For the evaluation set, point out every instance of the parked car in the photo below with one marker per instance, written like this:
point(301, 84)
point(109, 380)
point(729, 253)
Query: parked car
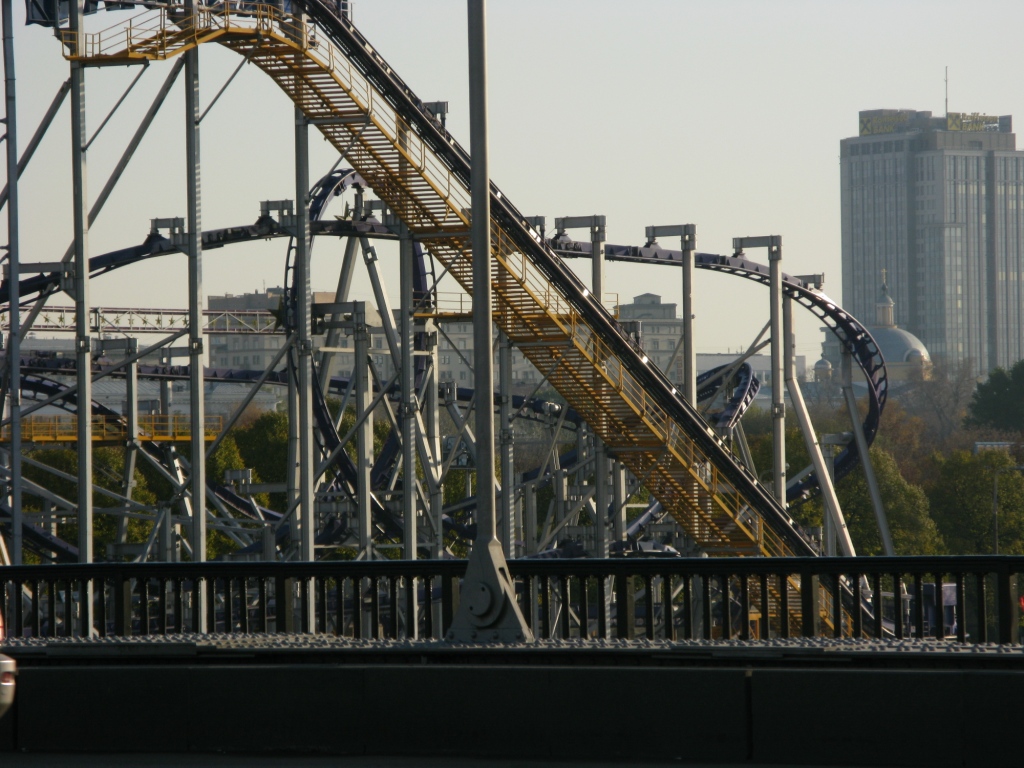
point(8, 672)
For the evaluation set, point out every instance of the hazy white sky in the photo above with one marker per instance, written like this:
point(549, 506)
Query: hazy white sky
point(726, 114)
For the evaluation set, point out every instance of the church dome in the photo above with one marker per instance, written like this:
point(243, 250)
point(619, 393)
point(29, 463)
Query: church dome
point(899, 346)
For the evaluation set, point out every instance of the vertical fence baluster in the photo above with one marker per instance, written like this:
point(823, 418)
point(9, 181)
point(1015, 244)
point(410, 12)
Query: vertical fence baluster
point(725, 599)
point(918, 606)
point(1008, 612)
point(961, 608)
point(980, 579)
point(34, 608)
point(810, 616)
point(321, 599)
point(584, 616)
point(688, 607)
point(144, 606)
point(602, 606)
point(545, 607)
point(648, 607)
point(162, 605)
point(243, 600)
point(837, 605)
point(744, 607)
point(394, 602)
point(705, 584)
point(374, 608)
point(765, 628)
point(428, 607)
point(566, 606)
point(939, 630)
point(897, 593)
point(876, 603)
point(858, 605)
point(179, 607)
point(667, 613)
point(262, 605)
point(51, 608)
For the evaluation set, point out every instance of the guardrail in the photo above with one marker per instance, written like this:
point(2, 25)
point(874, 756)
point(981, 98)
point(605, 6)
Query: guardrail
point(671, 599)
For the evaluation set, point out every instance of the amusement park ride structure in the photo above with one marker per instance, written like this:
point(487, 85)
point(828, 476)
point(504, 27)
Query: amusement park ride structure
point(632, 426)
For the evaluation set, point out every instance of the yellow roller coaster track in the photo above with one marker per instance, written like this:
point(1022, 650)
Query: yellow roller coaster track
point(434, 204)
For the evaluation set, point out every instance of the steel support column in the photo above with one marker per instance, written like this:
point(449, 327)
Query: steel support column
point(778, 375)
point(774, 245)
point(408, 426)
point(13, 278)
point(796, 399)
point(83, 354)
point(506, 443)
point(305, 514)
point(488, 609)
point(433, 439)
point(864, 452)
point(197, 405)
point(601, 464)
point(364, 433)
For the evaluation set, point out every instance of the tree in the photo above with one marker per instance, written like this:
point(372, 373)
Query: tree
point(999, 402)
point(961, 502)
point(906, 506)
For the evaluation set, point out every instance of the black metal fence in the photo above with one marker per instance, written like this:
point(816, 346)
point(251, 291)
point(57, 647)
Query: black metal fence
point(959, 599)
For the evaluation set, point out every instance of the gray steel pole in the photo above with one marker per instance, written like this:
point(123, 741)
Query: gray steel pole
point(305, 515)
point(197, 405)
point(864, 452)
point(408, 425)
point(433, 438)
point(796, 398)
point(83, 357)
point(483, 361)
point(81, 258)
point(488, 609)
point(778, 373)
point(14, 276)
point(364, 434)
point(506, 440)
point(688, 244)
point(408, 411)
point(340, 296)
point(601, 463)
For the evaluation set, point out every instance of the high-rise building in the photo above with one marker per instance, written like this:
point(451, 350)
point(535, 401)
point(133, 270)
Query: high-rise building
point(938, 204)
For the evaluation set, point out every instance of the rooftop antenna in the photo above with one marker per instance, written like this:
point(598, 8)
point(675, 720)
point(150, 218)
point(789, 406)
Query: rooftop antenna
point(947, 90)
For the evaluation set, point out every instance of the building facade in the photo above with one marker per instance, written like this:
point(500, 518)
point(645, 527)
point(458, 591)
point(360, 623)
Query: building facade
point(934, 207)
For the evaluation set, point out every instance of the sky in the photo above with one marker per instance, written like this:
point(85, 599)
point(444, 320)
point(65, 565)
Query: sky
point(724, 114)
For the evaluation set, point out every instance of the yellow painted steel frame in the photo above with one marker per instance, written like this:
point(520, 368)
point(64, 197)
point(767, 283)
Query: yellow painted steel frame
point(418, 187)
point(111, 429)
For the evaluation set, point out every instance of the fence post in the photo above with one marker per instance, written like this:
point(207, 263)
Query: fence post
point(625, 607)
point(122, 605)
point(284, 604)
point(1008, 609)
point(810, 616)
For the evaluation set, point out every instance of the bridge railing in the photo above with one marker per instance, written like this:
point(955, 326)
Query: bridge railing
point(716, 599)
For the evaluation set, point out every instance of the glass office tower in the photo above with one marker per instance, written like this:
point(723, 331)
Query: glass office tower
point(934, 207)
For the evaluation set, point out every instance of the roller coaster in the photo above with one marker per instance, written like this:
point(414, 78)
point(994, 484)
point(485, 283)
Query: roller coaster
point(394, 145)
